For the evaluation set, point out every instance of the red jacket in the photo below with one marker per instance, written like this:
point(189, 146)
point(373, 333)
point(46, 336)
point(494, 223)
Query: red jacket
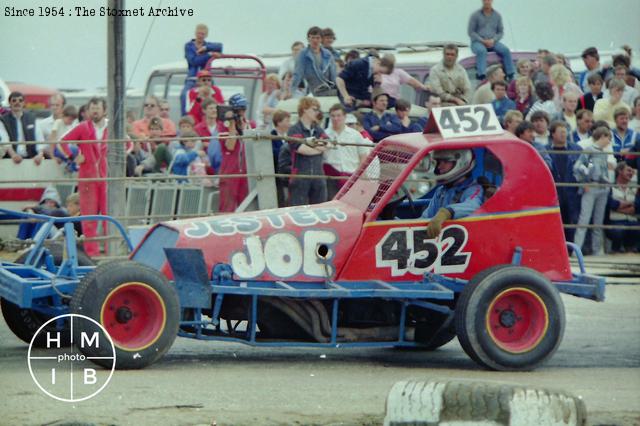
point(95, 153)
point(194, 106)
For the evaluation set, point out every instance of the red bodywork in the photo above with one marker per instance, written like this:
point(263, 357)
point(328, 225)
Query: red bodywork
point(354, 245)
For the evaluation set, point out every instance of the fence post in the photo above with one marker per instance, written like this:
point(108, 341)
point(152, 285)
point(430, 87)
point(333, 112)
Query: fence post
point(262, 190)
point(116, 94)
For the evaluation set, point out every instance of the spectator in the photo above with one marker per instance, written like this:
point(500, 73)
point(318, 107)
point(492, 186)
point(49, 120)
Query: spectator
point(568, 112)
point(634, 71)
point(131, 116)
point(604, 108)
point(378, 122)
point(186, 155)
point(540, 121)
point(343, 160)
point(92, 160)
point(588, 100)
point(635, 122)
point(72, 203)
point(484, 93)
point(49, 205)
point(234, 190)
point(328, 37)
point(501, 104)
point(524, 97)
point(562, 171)
point(523, 67)
point(281, 125)
point(57, 103)
point(584, 122)
point(140, 159)
point(562, 82)
point(356, 122)
point(623, 137)
point(360, 76)
point(208, 128)
point(83, 113)
point(19, 126)
point(152, 109)
point(289, 65)
point(449, 79)
point(545, 103)
point(391, 84)
point(512, 120)
point(197, 52)
point(204, 90)
point(350, 56)
point(589, 169)
point(165, 109)
point(239, 104)
point(591, 59)
point(433, 101)
point(546, 62)
point(159, 149)
point(402, 122)
point(622, 212)
point(306, 160)
point(316, 66)
point(268, 101)
point(630, 93)
point(60, 128)
point(526, 132)
point(485, 30)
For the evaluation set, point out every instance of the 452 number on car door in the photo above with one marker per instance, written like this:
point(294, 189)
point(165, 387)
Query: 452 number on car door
point(408, 250)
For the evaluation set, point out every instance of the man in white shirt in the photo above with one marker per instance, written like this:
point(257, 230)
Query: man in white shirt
point(57, 103)
point(343, 160)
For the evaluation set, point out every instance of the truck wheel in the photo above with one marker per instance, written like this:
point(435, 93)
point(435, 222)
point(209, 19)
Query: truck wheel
point(136, 305)
point(510, 318)
point(25, 322)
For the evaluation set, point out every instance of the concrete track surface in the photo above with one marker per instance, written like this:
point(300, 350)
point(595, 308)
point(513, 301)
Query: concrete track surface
point(230, 384)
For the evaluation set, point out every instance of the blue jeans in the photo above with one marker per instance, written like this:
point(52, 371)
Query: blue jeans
point(481, 58)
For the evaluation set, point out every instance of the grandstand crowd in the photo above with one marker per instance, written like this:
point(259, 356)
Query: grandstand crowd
point(542, 102)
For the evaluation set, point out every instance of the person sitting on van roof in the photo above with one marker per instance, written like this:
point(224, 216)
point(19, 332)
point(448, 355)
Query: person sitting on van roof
point(449, 79)
point(198, 51)
point(485, 30)
point(359, 76)
point(315, 65)
point(379, 123)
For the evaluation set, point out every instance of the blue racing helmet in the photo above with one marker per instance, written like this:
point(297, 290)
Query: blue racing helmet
point(238, 101)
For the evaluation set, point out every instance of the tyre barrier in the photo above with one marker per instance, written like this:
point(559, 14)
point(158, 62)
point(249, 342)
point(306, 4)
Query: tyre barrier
point(467, 402)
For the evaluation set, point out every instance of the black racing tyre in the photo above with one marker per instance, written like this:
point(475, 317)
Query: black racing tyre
point(25, 322)
point(137, 306)
point(510, 318)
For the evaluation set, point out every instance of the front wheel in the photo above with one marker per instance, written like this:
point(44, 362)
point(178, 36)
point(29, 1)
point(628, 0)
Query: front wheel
point(137, 307)
point(510, 318)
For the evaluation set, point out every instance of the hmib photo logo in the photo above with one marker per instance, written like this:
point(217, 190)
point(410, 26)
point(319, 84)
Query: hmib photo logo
point(57, 364)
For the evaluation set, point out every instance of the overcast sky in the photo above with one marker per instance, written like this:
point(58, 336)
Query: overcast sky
point(70, 52)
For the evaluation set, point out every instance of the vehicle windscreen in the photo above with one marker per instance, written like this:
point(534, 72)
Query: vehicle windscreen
point(375, 176)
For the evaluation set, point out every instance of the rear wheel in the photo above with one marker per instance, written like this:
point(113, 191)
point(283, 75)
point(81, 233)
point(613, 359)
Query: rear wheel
point(137, 307)
point(512, 318)
point(24, 323)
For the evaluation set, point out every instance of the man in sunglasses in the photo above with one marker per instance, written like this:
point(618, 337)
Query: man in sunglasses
point(152, 109)
point(19, 126)
point(205, 89)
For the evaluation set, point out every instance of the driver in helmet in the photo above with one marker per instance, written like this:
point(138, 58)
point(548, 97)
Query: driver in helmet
point(457, 194)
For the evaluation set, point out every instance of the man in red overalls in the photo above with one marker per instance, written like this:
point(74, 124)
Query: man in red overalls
point(92, 159)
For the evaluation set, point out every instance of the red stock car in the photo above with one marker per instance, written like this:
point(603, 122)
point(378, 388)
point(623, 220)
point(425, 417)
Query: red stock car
point(360, 270)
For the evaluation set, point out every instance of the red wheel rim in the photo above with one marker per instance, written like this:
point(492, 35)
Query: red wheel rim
point(517, 320)
point(134, 315)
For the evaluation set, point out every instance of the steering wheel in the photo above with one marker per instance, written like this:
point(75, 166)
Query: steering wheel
point(401, 195)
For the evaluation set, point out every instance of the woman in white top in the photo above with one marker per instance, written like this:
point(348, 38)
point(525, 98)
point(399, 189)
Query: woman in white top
point(268, 101)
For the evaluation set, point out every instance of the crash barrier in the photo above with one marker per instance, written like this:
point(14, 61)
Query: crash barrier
point(459, 402)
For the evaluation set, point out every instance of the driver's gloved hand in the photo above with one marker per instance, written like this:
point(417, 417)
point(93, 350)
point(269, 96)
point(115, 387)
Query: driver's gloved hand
point(435, 225)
